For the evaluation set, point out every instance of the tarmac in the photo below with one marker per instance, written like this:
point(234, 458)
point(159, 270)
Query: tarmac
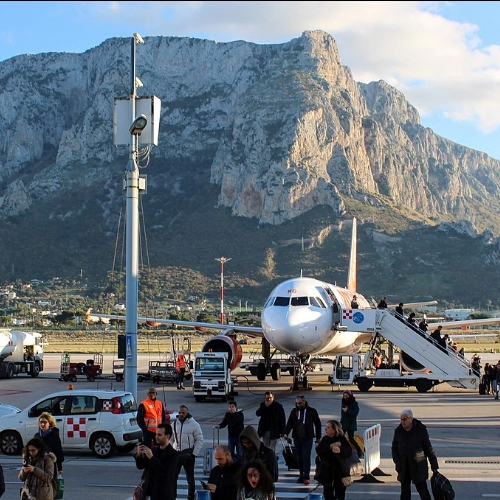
point(463, 427)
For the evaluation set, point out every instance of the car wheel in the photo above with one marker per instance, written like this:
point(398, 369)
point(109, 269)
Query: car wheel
point(11, 443)
point(102, 445)
point(73, 378)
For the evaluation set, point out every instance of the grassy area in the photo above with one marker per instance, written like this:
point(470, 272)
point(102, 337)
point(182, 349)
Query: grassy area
point(105, 342)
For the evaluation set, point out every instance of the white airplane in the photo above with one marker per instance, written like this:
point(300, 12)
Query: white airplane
point(300, 318)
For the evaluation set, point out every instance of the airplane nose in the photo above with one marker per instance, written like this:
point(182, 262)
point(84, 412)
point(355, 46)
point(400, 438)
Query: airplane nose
point(292, 329)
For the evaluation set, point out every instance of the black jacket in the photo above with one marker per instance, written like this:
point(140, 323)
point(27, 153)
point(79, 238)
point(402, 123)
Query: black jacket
point(259, 452)
point(160, 473)
point(272, 419)
point(225, 478)
point(53, 443)
point(410, 451)
point(324, 452)
point(234, 423)
point(312, 422)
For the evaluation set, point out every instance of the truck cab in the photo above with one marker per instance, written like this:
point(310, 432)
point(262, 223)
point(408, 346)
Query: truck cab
point(212, 376)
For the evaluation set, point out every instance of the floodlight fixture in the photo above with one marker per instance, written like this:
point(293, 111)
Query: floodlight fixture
point(138, 38)
point(138, 125)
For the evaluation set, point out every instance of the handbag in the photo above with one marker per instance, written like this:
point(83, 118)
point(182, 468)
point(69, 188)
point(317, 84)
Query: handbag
point(60, 488)
point(139, 493)
point(324, 472)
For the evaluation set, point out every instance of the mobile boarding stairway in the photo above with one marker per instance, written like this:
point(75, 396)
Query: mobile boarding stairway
point(443, 365)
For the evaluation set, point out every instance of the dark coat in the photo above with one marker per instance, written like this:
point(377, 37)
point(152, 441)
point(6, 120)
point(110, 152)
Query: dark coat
point(325, 453)
point(225, 478)
point(272, 419)
point(53, 443)
point(2, 482)
point(234, 423)
point(410, 451)
point(348, 419)
point(259, 452)
point(312, 422)
point(160, 473)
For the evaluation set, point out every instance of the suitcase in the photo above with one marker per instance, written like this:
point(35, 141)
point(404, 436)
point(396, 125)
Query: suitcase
point(208, 459)
point(482, 389)
point(290, 455)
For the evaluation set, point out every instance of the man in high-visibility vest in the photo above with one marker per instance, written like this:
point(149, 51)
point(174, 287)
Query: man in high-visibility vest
point(180, 368)
point(150, 414)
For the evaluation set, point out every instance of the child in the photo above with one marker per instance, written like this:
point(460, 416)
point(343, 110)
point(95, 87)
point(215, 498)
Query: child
point(234, 421)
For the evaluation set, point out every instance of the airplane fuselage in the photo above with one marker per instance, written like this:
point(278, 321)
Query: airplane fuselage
point(299, 317)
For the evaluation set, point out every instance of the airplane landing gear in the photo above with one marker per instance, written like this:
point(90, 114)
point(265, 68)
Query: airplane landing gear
point(300, 382)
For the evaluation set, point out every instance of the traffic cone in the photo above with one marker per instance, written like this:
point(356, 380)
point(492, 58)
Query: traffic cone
point(70, 387)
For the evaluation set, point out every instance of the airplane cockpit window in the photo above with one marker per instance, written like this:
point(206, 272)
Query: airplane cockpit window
point(300, 301)
point(317, 302)
point(282, 301)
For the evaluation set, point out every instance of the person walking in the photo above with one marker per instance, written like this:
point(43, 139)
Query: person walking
point(222, 481)
point(188, 439)
point(497, 379)
point(255, 482)
point(349, 418)
point(37, 471)
point(332, 448)
point(159, 464)
point(486, 378)
point(354, 302)
point(234, 421)
point(400, 313)
point(49, 434)
point(255, 449)
point(272, 420)
point(150, 414)
point(305, 424)
point(383, 303)
point(411, 449)
point(180, 368)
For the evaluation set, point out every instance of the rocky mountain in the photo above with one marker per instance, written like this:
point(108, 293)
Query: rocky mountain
point(264, 152)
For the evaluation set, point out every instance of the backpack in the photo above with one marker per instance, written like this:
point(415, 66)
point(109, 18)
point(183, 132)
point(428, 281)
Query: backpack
point(441, 487)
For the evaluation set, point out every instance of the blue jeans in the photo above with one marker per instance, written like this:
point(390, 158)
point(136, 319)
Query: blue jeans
point(304, 448)
point(235, 447)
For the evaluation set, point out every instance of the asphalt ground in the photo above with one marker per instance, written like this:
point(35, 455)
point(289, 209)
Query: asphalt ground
point(464, 428)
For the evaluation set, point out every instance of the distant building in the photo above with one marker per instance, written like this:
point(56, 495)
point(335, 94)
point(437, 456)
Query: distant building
point(457, 314)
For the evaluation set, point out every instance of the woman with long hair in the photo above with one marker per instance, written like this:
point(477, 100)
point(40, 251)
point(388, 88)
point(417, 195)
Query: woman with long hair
point(49, 434)
point(37, 472)
point(255, 482)
point(334, 448)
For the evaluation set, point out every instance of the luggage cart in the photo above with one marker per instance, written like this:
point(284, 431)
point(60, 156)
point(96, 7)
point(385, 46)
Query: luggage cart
point(71, 372)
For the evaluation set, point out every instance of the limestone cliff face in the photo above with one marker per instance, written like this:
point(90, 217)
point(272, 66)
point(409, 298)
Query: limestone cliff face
point(280, 128)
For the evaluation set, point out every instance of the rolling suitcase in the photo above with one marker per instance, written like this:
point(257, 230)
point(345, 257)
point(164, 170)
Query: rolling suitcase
point(482, 389)
point(290, 455)
point(208, 459)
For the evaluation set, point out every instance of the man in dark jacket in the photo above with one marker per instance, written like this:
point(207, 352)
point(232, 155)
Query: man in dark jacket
point(222, 481)
point(234, 420)
point(254, 449)
point(272, 420)
point(305, 424)
point(411, 448)
point(160, 464)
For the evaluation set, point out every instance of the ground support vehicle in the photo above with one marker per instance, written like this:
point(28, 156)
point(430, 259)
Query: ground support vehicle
point(212, 377)
point(118, 369)
point(20, 352)
point(72, 371)
point(421, 362)
point(102, 421)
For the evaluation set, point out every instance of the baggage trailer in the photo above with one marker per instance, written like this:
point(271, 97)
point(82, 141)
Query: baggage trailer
point(90, 369)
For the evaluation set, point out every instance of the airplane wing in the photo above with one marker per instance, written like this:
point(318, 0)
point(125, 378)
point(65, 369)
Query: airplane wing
point(415, 304)
point(464, 323)
point(252, 331)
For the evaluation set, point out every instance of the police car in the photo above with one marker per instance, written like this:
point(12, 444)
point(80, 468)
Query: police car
point(103, 421)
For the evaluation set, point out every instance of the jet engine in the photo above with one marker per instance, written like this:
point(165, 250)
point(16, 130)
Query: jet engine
point(224, 343)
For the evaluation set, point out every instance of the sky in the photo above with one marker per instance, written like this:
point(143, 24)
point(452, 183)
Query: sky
point(443, 56)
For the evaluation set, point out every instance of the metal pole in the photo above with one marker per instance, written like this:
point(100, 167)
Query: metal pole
point(132, 249)
point(222, 261)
